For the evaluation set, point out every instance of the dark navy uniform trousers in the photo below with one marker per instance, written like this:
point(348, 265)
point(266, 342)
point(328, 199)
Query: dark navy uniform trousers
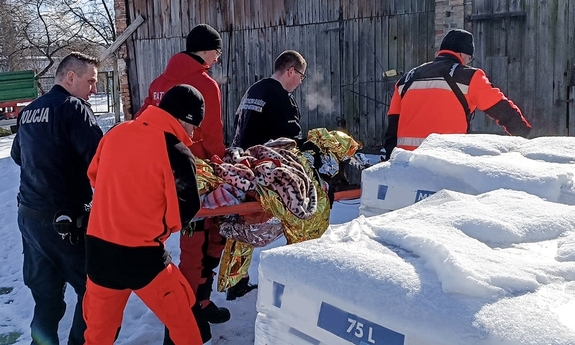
point(49, 263)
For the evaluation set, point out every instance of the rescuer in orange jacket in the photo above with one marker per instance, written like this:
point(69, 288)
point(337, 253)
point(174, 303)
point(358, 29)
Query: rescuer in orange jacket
point(133, 215)
point(440, 96)
point(203, 48)
point(201, 251)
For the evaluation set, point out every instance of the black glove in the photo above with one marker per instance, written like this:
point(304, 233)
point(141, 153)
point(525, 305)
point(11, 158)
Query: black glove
point(69, 225)
point(193, 226)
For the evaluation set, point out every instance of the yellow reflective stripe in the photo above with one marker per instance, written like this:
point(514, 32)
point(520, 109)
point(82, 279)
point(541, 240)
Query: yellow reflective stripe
point(407, 141)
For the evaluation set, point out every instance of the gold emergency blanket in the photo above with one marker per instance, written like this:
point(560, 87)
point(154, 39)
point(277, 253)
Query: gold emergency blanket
point(297, 229)
point(237, 256)
point(207, 181)
point(336, 143)
point(236, 260)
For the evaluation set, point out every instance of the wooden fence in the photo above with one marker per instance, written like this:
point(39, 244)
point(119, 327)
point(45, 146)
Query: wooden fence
point(527, 48)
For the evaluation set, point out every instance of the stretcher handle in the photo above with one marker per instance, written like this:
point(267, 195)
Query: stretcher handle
point(254, 206)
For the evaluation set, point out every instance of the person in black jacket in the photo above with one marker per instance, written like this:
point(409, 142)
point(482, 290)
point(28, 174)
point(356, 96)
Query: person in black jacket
point(268, 109)
point(56, 139)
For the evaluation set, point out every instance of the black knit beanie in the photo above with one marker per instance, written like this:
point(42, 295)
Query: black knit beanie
point(459, 41)
point(184, 102)
point(203, 37)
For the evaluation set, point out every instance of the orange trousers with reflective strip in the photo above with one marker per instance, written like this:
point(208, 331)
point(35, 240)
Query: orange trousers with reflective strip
point(169, 296)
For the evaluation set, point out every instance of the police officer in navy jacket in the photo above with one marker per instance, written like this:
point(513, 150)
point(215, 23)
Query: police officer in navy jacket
point(56, 140)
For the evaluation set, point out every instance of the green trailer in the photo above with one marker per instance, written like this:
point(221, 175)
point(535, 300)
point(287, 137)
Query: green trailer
point(16, 87)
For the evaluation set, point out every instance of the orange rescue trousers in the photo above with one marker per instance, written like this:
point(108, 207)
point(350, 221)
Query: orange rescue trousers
point(168, 295)
point(198, 249)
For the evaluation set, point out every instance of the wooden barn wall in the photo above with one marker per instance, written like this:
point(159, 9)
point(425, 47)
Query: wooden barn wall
point(527, 49)
point(347, 45)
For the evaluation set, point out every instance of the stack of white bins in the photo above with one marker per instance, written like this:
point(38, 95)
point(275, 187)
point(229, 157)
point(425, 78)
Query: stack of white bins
point(460, 163)
point(292, 311)
point(420, 276)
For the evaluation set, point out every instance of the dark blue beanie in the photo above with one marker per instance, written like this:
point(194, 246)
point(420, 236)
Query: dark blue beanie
point(202, 38)
point(184, 102)
point(459, 41)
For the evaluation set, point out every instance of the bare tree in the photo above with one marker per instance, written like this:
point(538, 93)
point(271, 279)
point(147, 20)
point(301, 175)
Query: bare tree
point(47, 32)
point(41, 31)
point(10, 40)
point(97, 18)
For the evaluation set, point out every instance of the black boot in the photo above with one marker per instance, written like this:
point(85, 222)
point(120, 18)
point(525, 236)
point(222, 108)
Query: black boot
point(167, 339)
point(212, 313)
point(240, 289)
point(215, 314)
point(203, 325)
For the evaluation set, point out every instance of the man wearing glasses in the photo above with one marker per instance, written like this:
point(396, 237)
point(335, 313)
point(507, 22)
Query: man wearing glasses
point(440, 97)
point(268, 109)
point(201, 250)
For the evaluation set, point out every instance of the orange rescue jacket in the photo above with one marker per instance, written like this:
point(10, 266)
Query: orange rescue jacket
point(208, 139)
point(135, 200)
point(145, 187)
point(429, 105)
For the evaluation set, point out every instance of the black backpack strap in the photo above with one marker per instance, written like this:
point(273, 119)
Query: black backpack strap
point(459, 94)
point(407, 85)
point(412, 76)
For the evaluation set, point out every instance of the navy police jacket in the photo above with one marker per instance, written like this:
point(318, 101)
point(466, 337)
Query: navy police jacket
point(56, 140)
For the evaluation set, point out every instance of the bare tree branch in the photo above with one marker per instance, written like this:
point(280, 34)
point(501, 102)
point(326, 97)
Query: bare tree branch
point(35, 33)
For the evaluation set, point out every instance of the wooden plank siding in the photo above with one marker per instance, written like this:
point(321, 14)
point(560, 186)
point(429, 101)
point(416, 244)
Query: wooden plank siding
point(347, 45)
point(571, 73)
point(525, 47)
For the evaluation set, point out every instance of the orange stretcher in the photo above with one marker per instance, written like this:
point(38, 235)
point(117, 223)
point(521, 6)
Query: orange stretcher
point(254, 206)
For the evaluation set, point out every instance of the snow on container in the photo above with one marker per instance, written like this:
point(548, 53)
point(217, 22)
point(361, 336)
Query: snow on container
point(472, 164)
point(453, 269)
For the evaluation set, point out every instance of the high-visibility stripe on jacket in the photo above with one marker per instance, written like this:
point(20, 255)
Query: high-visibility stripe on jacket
point(430, 106)
point(409, 142)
